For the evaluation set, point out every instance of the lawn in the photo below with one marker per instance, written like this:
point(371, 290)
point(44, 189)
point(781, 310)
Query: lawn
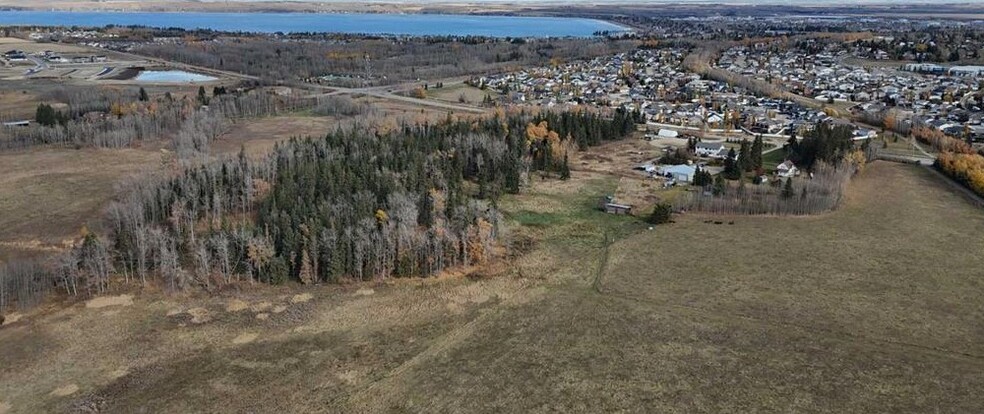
point(771, 159)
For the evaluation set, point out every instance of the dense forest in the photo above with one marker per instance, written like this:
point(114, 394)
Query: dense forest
point(340, 60)
point(357, 203)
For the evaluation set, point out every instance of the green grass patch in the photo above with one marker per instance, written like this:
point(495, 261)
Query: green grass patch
point(771, 159)
point(535, 219)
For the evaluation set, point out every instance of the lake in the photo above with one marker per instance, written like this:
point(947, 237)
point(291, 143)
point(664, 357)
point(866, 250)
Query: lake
point(398, 24)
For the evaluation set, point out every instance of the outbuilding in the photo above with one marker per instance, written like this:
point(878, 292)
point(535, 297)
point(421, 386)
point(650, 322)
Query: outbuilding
point(668, 133)
point(682, 172)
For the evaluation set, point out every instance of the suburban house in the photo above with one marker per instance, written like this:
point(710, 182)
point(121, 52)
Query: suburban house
point(711, 149)
point(787, 169)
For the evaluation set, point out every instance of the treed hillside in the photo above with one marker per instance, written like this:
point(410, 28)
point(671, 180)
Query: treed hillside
point(357, 203)
point(341, 58)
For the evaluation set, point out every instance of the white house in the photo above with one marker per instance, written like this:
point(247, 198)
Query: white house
point(787, 169)
point(711, 149)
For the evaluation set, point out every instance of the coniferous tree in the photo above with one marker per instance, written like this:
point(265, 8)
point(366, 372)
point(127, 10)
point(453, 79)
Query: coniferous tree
point(731, 169)
point(720, 186)
point(787, 190)
point(45, 115)
point(202, 96)
point(565, 170)
point(757, 148)
point(744, 162)
point(702, 178)
point(662, 213)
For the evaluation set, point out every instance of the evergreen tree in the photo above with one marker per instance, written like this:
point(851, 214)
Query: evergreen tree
point(565, 170)
point(662, 213)
point(425, 210)
point(744, 161)
point(731, 170)
point(702, 178)
point(787, 190)
point(720, 186)
point(202, 96)
point(143, 95)
point(45, 115)
point(756, 156)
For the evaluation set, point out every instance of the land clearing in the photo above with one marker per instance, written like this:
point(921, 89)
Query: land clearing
point(847, 311)
point(454, 92)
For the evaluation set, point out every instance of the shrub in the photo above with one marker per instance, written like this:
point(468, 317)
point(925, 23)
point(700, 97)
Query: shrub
point(661, 214)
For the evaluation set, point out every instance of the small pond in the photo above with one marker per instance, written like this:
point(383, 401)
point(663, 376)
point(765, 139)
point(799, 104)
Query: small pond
point(172, 76)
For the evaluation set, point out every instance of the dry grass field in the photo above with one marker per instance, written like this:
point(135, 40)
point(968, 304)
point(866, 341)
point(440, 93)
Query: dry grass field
point(454, 92)
point(50, 193)
point(872, 308)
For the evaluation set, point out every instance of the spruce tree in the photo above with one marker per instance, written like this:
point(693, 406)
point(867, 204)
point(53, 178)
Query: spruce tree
point(745, 157)
point(661, 214)
point(787, 190)
point(425, 210)
point(731, 166)
point(202, 96)
point(756, 155)
point(719, 185)
point(565, 170)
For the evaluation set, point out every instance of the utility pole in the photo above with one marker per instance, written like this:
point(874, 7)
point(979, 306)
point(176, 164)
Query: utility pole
point(367, 76)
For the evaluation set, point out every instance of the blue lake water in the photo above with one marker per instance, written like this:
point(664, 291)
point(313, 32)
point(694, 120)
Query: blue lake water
point(171, 76)
point(400, 24)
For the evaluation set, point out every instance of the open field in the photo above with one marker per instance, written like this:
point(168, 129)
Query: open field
point(454, 93)
point(31, 47)
point(50, 193)
point(689, 317)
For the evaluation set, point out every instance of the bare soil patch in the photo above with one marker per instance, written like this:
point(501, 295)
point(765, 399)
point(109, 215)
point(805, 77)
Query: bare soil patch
point(105, 301)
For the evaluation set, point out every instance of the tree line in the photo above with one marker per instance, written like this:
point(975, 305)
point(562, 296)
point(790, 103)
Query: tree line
point(357, 203)
point(118, 123)
point(341, 61)
point(965, 168)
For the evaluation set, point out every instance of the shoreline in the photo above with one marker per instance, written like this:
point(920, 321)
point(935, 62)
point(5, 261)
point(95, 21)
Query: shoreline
point(104, 18)
point(602, 10)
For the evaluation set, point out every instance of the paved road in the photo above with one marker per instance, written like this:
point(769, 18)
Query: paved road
point(39, 65)
point(391, 92)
